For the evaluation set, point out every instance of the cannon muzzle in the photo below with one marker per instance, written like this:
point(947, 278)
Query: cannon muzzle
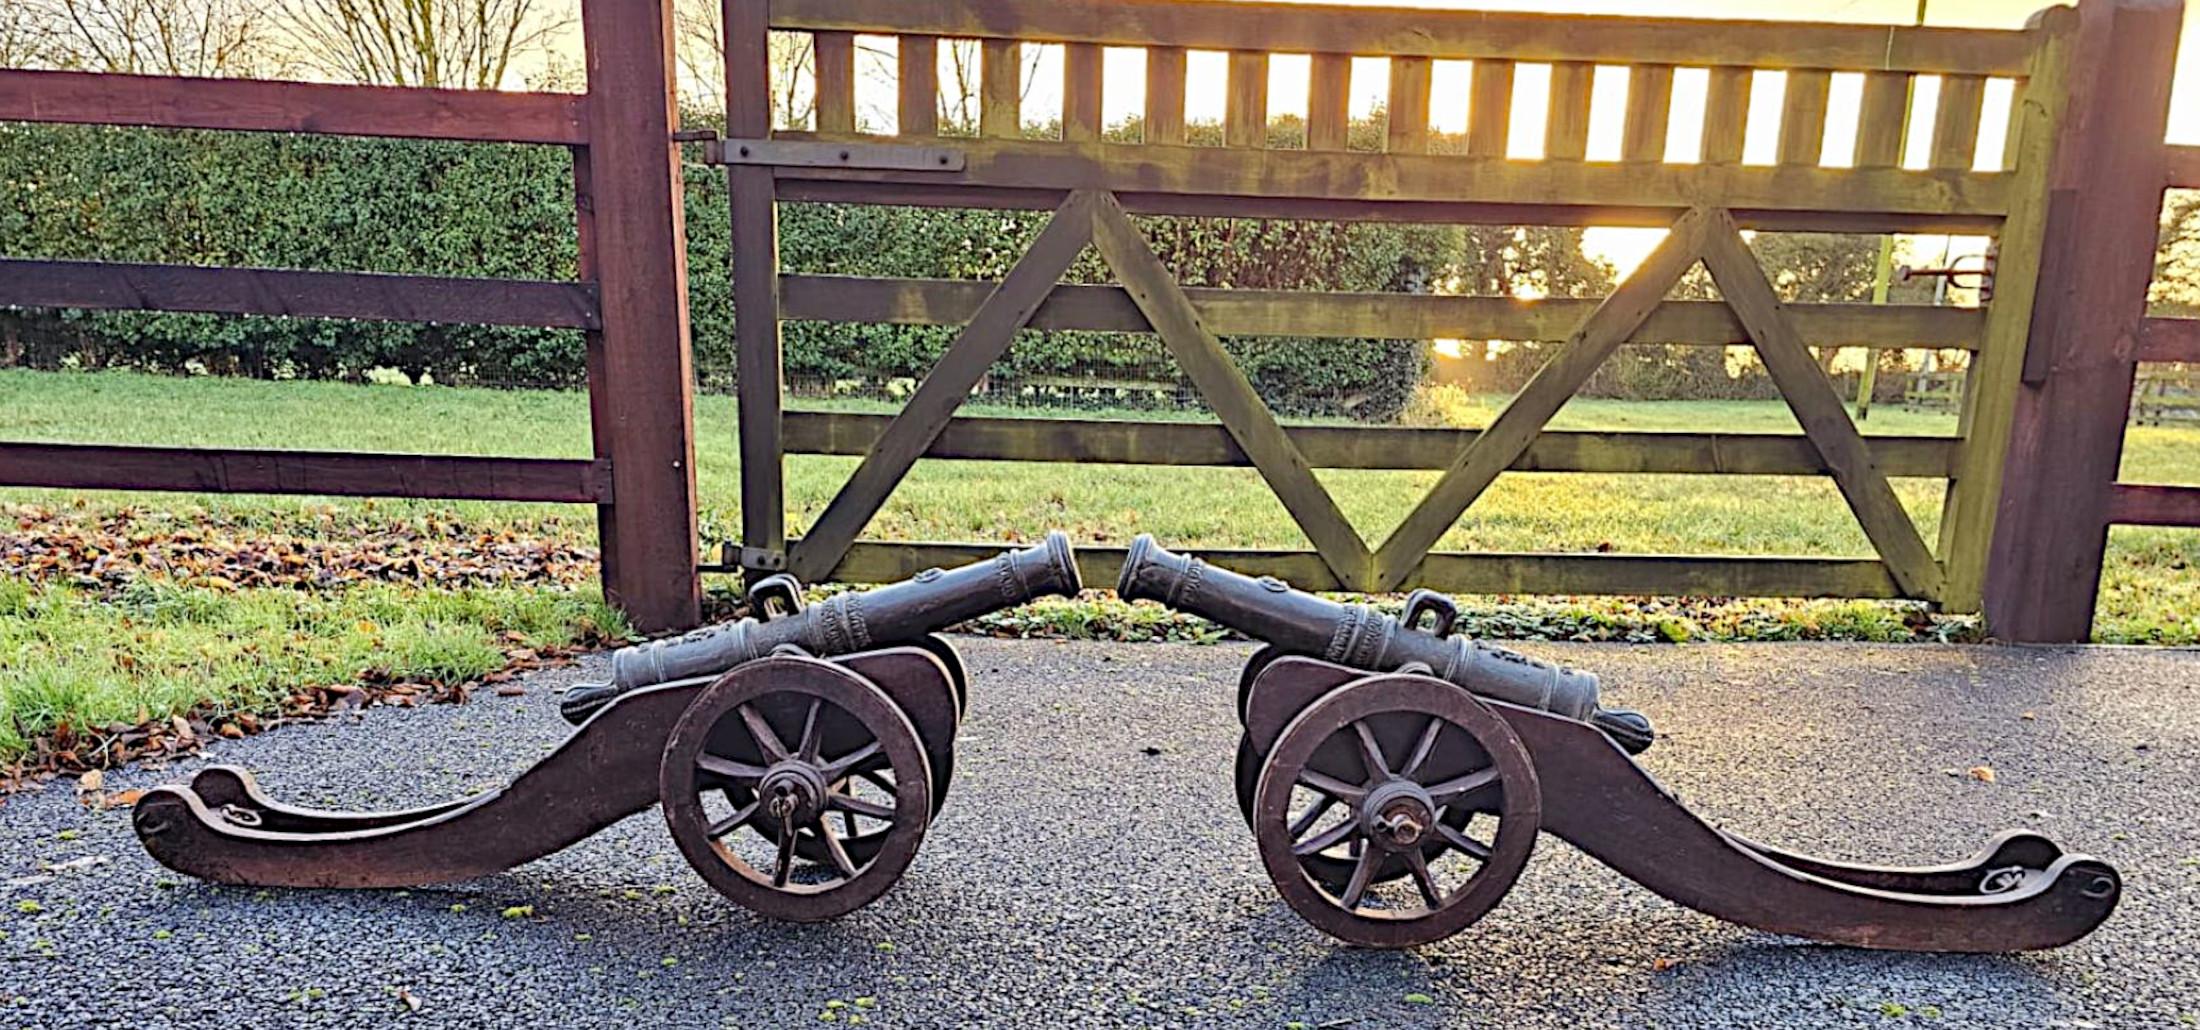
point(1363, 637)
point(899, 613)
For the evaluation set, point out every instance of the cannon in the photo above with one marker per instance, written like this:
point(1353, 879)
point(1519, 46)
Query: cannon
point(1395, 778)
point(798, 756)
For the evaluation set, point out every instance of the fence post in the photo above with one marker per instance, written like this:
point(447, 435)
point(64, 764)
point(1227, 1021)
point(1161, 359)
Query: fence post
point(639, 251)
point(2067, 429)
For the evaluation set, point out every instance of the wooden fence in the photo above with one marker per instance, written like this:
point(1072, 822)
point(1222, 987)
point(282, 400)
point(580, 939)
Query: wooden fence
point(631, 304)
point(2072, 203)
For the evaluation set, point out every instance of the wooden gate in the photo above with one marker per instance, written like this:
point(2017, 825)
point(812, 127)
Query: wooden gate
point(1094, 187)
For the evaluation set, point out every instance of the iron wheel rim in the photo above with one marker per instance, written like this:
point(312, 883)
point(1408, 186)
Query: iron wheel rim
point(1284, 835)
point(690, 770)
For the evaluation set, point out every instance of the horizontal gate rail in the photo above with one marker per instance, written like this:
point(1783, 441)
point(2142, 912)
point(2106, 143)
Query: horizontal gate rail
point(870, 561)
point(210, 470)
point(1229, 312)
point(1858, 200)
point(1344, 209)
point(1359, 447)
point(2140, 504)
point(249, 105)
point(115, 286)
point(2169, 339)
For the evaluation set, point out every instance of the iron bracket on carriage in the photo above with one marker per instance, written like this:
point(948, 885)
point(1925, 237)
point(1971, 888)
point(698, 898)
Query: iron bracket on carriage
point(798, 756)
point(1395, 779)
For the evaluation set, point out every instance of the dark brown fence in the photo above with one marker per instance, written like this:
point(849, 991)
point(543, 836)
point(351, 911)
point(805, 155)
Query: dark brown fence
point(633, 309)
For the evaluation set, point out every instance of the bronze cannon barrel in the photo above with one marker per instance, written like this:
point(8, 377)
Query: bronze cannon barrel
point(1364, 637)
point(898, 613)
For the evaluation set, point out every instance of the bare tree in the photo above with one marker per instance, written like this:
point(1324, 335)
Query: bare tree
point(154, 37)
point(964, 82)
point(464, 44)
point(25, 37)
point(699, 34)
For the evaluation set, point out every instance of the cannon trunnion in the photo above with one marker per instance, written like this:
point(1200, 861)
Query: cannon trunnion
point(798, 757)
point(1396, 780)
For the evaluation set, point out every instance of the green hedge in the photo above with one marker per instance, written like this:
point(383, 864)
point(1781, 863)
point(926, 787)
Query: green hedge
point(506, 211)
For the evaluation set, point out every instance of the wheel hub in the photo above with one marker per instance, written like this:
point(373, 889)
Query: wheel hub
point(1397, 815)
point(793, 790)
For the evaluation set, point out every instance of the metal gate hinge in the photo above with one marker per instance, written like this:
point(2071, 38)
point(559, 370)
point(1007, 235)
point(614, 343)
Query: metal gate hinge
point(758, 559)
point(789, 153)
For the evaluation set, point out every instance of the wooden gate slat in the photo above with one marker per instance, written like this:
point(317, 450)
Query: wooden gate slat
point(1328, 102)
point(1165, 94)
point(1955, 125)
point(836, 82)
point(1803, 120)
point(1245, 111)
point(1726, 114)
point(1407, 131)
point(1649, 111)
point(1228, 392)
point(1480, 462)
point(1489, 111)
point(1566, 127)
point(1810, 395)
point(1081, 88)
point(1000, 89)
point(1882, 120)
point(917, 86)
point(919, 422)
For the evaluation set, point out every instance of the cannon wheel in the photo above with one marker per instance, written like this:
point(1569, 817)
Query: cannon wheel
point(797, 735)
point(1366, 756)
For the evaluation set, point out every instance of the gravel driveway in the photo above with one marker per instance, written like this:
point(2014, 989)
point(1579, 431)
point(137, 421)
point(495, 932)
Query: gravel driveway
point(1091, 869)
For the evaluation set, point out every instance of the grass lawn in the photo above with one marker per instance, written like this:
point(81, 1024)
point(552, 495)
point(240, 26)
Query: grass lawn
point(94, 658)
point(962, 500)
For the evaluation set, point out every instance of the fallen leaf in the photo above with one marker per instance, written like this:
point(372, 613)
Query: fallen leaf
point(122, 798)
point(1660, 965)
point(411, 1001)
point(90, 781)
point(1983, 773)
point(232, 730)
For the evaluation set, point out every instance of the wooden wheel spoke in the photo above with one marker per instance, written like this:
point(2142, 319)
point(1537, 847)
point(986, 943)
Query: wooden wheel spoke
point(784, 864)
point(1363, 872)
point(1312, 815)
point(728, 769)
point(1371, 753)
point(1423, 748)
point(807, 750)
point(733, 822)
point(1329, 838)
point(840, 768)
point(1331, 785)
point(1422, 878)
point(1453, 789)
point(833, 848)
point(850, 803)
point(1462, 843)
point(767, 740)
